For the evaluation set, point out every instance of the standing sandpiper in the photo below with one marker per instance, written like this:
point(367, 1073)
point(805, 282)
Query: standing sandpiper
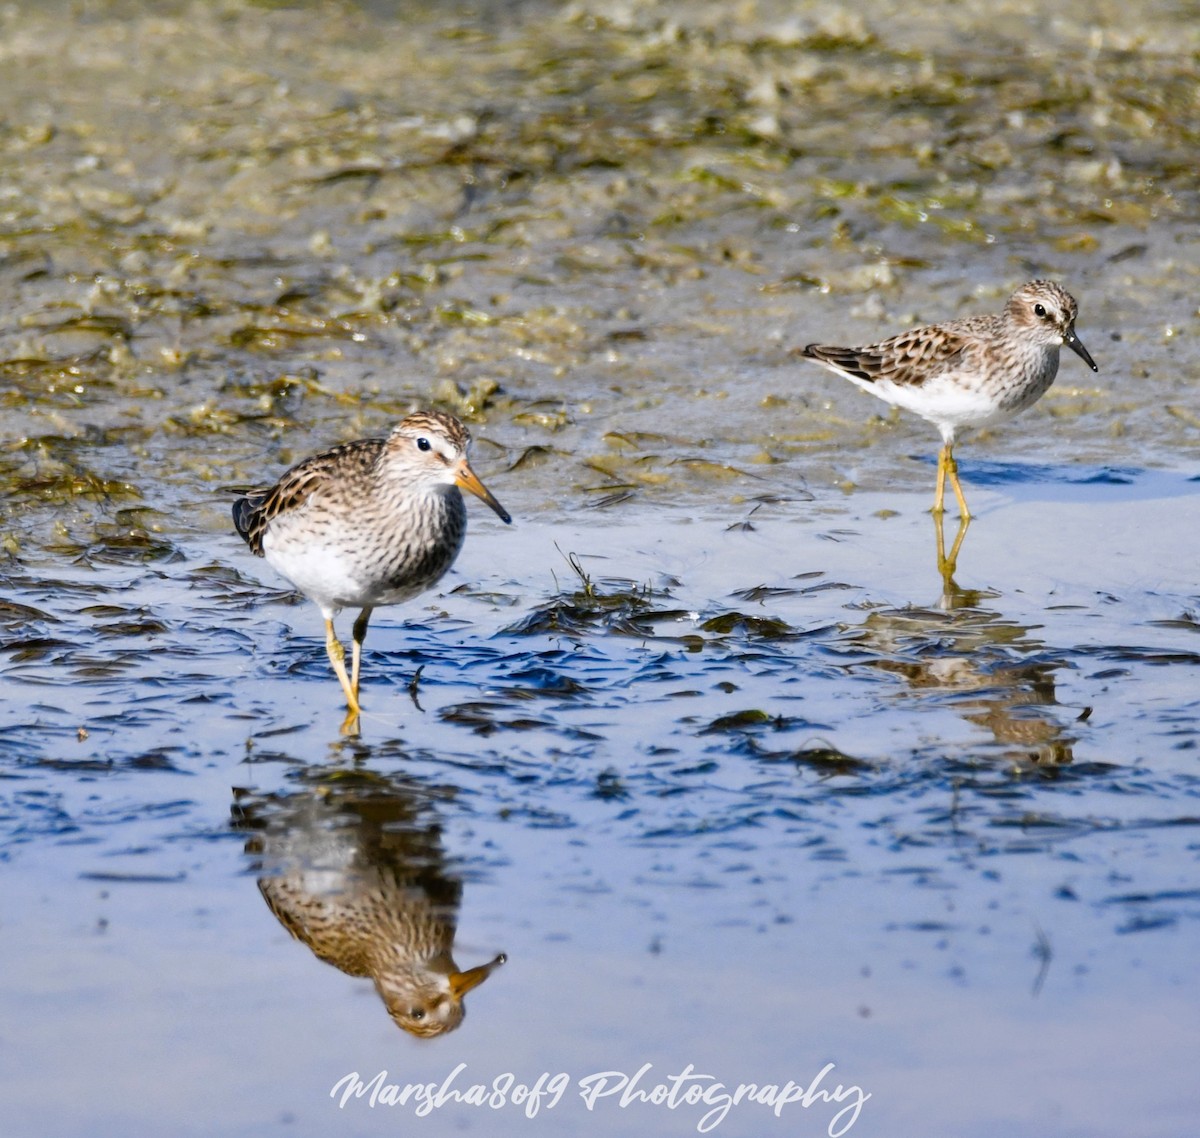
point(967, 373)
point(368, 523)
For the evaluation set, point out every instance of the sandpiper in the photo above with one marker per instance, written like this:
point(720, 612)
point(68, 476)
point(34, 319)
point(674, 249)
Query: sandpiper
point(368, 523)
point(967, 373)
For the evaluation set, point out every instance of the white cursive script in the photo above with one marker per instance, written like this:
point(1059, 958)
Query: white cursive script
point(503, 1090)
point(688, 1088)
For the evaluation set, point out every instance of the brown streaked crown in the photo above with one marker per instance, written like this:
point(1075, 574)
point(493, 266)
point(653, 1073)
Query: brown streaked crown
point(436, 423)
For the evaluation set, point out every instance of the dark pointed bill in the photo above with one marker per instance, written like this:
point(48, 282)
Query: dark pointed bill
point(468, 480)
point(1073, 342)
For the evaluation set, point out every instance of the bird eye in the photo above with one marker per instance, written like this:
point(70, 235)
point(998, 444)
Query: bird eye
point(417, 1013)
point(1039, 309)
point(425, 444)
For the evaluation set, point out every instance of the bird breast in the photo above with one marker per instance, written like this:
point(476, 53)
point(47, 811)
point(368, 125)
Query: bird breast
point(393, 547)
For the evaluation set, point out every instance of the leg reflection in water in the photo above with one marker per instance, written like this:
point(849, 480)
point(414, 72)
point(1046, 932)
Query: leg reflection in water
point(952, 595)
point(987, 668)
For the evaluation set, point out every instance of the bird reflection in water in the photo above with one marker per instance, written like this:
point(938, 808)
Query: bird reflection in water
point(997, 675)
point(355, 869)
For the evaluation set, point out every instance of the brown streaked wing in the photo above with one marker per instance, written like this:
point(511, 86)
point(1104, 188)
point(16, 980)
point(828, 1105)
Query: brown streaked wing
point(347, 463)
point(852, 361)
point(907, 360)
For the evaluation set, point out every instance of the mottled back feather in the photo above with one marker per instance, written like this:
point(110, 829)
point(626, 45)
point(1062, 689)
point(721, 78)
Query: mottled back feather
point(253, 513)
point(911, 358)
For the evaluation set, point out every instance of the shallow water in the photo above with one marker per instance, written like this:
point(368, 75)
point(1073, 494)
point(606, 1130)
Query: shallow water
point(705, 743)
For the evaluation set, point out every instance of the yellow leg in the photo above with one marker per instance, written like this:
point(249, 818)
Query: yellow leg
point(952, 470)
point(359, 635)
point(337, 657)
point(940, 495)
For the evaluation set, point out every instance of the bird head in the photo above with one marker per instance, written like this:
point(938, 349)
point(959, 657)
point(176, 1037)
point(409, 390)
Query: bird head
point(431, 447)
point(1046, 313)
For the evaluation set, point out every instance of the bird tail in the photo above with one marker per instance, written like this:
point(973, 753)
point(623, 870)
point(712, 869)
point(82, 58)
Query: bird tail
point(848, 361)
point(244, 510)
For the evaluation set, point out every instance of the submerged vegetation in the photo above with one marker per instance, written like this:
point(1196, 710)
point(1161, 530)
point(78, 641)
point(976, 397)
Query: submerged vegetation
point(560, 224)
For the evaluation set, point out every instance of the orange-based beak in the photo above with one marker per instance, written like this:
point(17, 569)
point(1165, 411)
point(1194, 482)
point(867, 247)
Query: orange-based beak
point(462, 982)
point(468, 480)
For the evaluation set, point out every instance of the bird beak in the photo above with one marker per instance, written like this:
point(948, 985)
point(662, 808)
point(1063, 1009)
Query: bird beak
point(467, 479)
point(1072, 342)
point(462, 982)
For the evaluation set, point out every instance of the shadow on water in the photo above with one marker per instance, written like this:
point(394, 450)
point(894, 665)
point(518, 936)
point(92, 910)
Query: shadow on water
point(352, 865)
point(1083, 483)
